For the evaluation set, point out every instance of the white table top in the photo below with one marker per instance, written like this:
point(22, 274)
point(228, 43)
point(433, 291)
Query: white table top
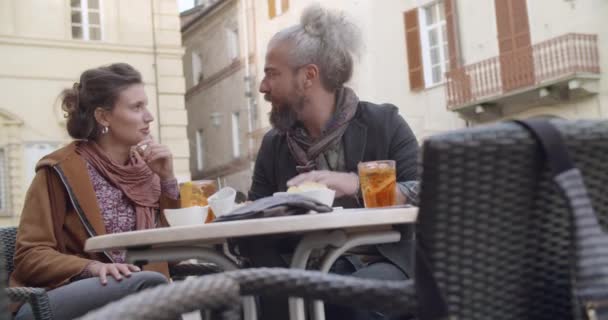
point(212, 233)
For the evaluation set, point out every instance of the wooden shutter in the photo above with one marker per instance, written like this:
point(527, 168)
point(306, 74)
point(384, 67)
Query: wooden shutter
point(272, 11)
point(284, 5)
point(521, 26)
point(503, 25)
point(451, 20)
point(516, 61)
point(414, 50)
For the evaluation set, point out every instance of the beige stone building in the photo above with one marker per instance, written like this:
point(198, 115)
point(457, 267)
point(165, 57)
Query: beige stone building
point(45, 45)
point(221, 105)
point(448, 64)
point(523, 58)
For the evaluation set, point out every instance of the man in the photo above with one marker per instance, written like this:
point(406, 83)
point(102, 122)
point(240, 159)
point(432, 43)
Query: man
point(321, 131)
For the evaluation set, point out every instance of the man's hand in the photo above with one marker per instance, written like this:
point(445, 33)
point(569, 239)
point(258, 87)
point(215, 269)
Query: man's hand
point(116, 270)
point(345, 184)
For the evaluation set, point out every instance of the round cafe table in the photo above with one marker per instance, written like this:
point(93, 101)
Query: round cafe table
point(336, 232)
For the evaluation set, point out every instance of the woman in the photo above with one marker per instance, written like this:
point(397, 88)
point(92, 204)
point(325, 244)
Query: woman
point(114, 178)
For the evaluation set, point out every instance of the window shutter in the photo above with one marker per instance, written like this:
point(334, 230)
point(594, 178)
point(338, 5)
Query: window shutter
point(516, 61)
point(451, 20)
point(414, 50)
point(284, 5)
point(521, 27)
point(272, 11)
point(503, 26)
point(512, 25)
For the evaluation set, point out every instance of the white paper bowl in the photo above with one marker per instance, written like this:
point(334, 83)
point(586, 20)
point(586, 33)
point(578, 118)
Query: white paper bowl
point(325, 196)
point(186, 216)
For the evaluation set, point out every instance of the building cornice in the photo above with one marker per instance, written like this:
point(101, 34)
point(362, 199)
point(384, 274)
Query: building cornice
point(48, 78)
point(203, 12)
point(7, 117)
point(217, 77)
point(89, 45)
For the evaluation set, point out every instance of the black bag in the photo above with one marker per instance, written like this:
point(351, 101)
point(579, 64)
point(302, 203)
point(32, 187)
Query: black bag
point(276, 206)
point(591, 243)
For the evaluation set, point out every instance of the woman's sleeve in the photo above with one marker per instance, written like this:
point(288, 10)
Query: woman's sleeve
point(38, 261)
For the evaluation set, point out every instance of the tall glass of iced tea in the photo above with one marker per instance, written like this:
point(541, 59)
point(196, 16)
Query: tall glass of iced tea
point(378, 181)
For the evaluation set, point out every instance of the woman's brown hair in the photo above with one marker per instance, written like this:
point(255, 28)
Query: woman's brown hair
point(97, 88)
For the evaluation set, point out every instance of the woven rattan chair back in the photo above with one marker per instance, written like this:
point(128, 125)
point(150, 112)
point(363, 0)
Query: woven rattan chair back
point(8, 237)
point(495, 228)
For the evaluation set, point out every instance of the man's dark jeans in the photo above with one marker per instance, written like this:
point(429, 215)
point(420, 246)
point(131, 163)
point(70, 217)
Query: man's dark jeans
point(379, 271)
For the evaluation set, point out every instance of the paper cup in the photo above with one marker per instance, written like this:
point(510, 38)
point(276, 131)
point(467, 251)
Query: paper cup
point(222, 202)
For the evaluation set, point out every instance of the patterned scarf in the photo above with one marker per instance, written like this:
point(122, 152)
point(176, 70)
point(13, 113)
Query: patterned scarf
point(305, 150)
point(134, 179)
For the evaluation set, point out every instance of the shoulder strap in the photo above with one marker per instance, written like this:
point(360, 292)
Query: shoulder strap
point(591, 243)
point(552, 144)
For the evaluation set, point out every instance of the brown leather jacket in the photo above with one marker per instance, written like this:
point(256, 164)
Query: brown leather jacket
point(60, 213)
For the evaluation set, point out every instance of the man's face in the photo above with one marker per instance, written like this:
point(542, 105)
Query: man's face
point(281, 87)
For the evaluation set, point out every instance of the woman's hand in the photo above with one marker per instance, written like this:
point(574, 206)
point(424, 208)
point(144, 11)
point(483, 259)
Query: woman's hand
point(116, 270)
point(158, 157)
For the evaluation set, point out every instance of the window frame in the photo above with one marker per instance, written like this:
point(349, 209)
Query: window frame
point(275, 8)
point(84, 23)
point(442, 43)
point(200, 149)
point(278, 8)
point(235, 117)
point(29, 164)
point(197, 68)
point(233, 45)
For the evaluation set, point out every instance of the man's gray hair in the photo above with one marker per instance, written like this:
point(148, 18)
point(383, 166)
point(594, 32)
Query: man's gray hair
point(327, 39)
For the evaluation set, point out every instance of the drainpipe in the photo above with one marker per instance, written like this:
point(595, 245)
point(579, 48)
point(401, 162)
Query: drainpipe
point(155, 66)
point(248, 79)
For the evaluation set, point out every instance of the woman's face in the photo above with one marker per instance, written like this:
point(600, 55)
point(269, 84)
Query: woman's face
point(129, 121)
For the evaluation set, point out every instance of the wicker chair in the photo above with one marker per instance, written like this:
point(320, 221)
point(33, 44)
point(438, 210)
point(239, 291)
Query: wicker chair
point(38, 297)
point(223, 291)
point(497, 232)
point(215, 293)
point(493, 228)
point(4, 300)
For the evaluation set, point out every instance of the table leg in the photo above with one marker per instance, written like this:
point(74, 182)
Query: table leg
point(352, 241)
point(317, 240)
point(191, 252)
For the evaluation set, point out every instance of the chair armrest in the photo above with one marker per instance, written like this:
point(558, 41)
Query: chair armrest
point(36, 297)
point(223, 291)
point(382, 295)
point(214, 292)
point(181, 270)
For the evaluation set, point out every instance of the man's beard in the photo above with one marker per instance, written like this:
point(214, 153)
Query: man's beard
point(284, 116)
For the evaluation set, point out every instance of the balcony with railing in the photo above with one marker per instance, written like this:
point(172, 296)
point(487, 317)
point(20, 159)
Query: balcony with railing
point(561, 68)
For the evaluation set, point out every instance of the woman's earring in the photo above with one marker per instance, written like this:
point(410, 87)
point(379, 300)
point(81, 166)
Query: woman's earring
point(105, 130)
